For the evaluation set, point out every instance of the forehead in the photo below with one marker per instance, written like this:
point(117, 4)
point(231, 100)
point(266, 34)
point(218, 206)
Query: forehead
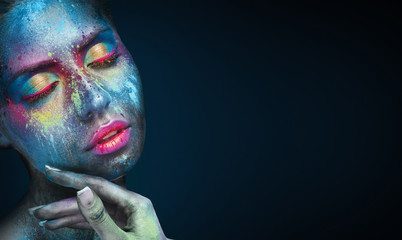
point(36, 28)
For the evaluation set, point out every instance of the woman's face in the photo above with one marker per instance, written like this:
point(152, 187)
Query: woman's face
point(72, 94)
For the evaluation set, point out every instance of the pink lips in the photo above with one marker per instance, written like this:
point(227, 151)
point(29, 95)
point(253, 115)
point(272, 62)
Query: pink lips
point(110, 138)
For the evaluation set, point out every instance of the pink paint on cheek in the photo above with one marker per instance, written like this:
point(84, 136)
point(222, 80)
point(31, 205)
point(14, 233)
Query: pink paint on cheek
point(17, 115)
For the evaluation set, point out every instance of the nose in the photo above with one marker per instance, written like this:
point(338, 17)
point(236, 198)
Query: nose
point(92, 100)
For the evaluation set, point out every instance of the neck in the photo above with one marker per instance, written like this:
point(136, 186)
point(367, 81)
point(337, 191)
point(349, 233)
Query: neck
point(41, 192)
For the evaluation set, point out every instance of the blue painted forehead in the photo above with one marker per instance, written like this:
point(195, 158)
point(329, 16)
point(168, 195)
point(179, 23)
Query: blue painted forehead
point(28, 15)
point(40, 25)
point(41, 20)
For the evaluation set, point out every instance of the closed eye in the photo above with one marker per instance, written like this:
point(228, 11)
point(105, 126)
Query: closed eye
point(105, 61)
point(39, 85)
point(43, 93)
point(100, 55)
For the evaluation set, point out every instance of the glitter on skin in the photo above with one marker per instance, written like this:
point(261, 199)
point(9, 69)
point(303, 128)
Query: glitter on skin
point(38, 83)
point(98, 53)
point(18, 113)
point(59, 114)
point(49, 116)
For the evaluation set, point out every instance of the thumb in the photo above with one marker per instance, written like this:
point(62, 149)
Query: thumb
point(94, 212)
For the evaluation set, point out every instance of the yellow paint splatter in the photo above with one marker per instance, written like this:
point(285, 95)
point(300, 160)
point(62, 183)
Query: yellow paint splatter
point(48, 117)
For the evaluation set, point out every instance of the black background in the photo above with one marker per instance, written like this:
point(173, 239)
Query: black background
point(264, 120)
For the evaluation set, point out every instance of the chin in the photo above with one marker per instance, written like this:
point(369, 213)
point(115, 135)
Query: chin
point(112, 166)
point(119, 169)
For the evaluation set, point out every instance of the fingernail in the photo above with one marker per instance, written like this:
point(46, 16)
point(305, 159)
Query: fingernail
point(32, 210)
point(49, 168)
point(86, 197)
point(42, 223)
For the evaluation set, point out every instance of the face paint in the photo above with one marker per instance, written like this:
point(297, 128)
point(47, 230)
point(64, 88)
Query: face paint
point(40, 85)
point(71, 78)
point(101, 54)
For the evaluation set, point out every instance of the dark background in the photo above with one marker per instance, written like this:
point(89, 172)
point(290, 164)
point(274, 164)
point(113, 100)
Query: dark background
point(264, 120)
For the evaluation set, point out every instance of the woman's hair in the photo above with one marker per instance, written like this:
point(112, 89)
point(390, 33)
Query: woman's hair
point(6, 6)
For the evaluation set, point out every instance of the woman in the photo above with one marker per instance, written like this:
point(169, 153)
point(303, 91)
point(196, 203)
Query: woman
point(72, 106)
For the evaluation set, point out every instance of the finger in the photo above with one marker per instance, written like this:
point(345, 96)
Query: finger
point(57, 209)
point(82, 225)
point(63, 222)
point(94, 212)
point(108, 191)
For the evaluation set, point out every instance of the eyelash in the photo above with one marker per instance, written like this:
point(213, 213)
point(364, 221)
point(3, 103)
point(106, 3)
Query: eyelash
point(49, 89)
point(105, 62)
point(36, 96)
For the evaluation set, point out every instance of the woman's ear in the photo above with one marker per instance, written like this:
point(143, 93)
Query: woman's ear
point(4, 142)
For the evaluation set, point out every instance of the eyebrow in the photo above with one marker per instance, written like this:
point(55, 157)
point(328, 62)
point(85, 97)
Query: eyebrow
point(32, 68)
point(52, 62)
point(91, 37)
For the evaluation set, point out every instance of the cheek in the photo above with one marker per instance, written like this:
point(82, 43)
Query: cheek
point(38, 119)
point(17, 116)
point(43, 134)
point(125, 84)
point(48, 117)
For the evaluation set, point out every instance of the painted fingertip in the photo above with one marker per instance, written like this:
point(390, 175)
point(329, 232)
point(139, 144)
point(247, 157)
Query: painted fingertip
point(32, 210)
point(86, 197)
point(42, 223)
point(49, 168)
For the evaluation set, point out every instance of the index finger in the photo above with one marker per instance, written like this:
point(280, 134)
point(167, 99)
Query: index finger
point(107, 190)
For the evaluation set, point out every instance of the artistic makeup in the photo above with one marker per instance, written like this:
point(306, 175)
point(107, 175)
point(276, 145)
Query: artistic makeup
point(110, 138)
point(100, 55)
point(74, 95)
point(39, 86)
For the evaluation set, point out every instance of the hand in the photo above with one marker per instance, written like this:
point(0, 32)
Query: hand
point(122, 215)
